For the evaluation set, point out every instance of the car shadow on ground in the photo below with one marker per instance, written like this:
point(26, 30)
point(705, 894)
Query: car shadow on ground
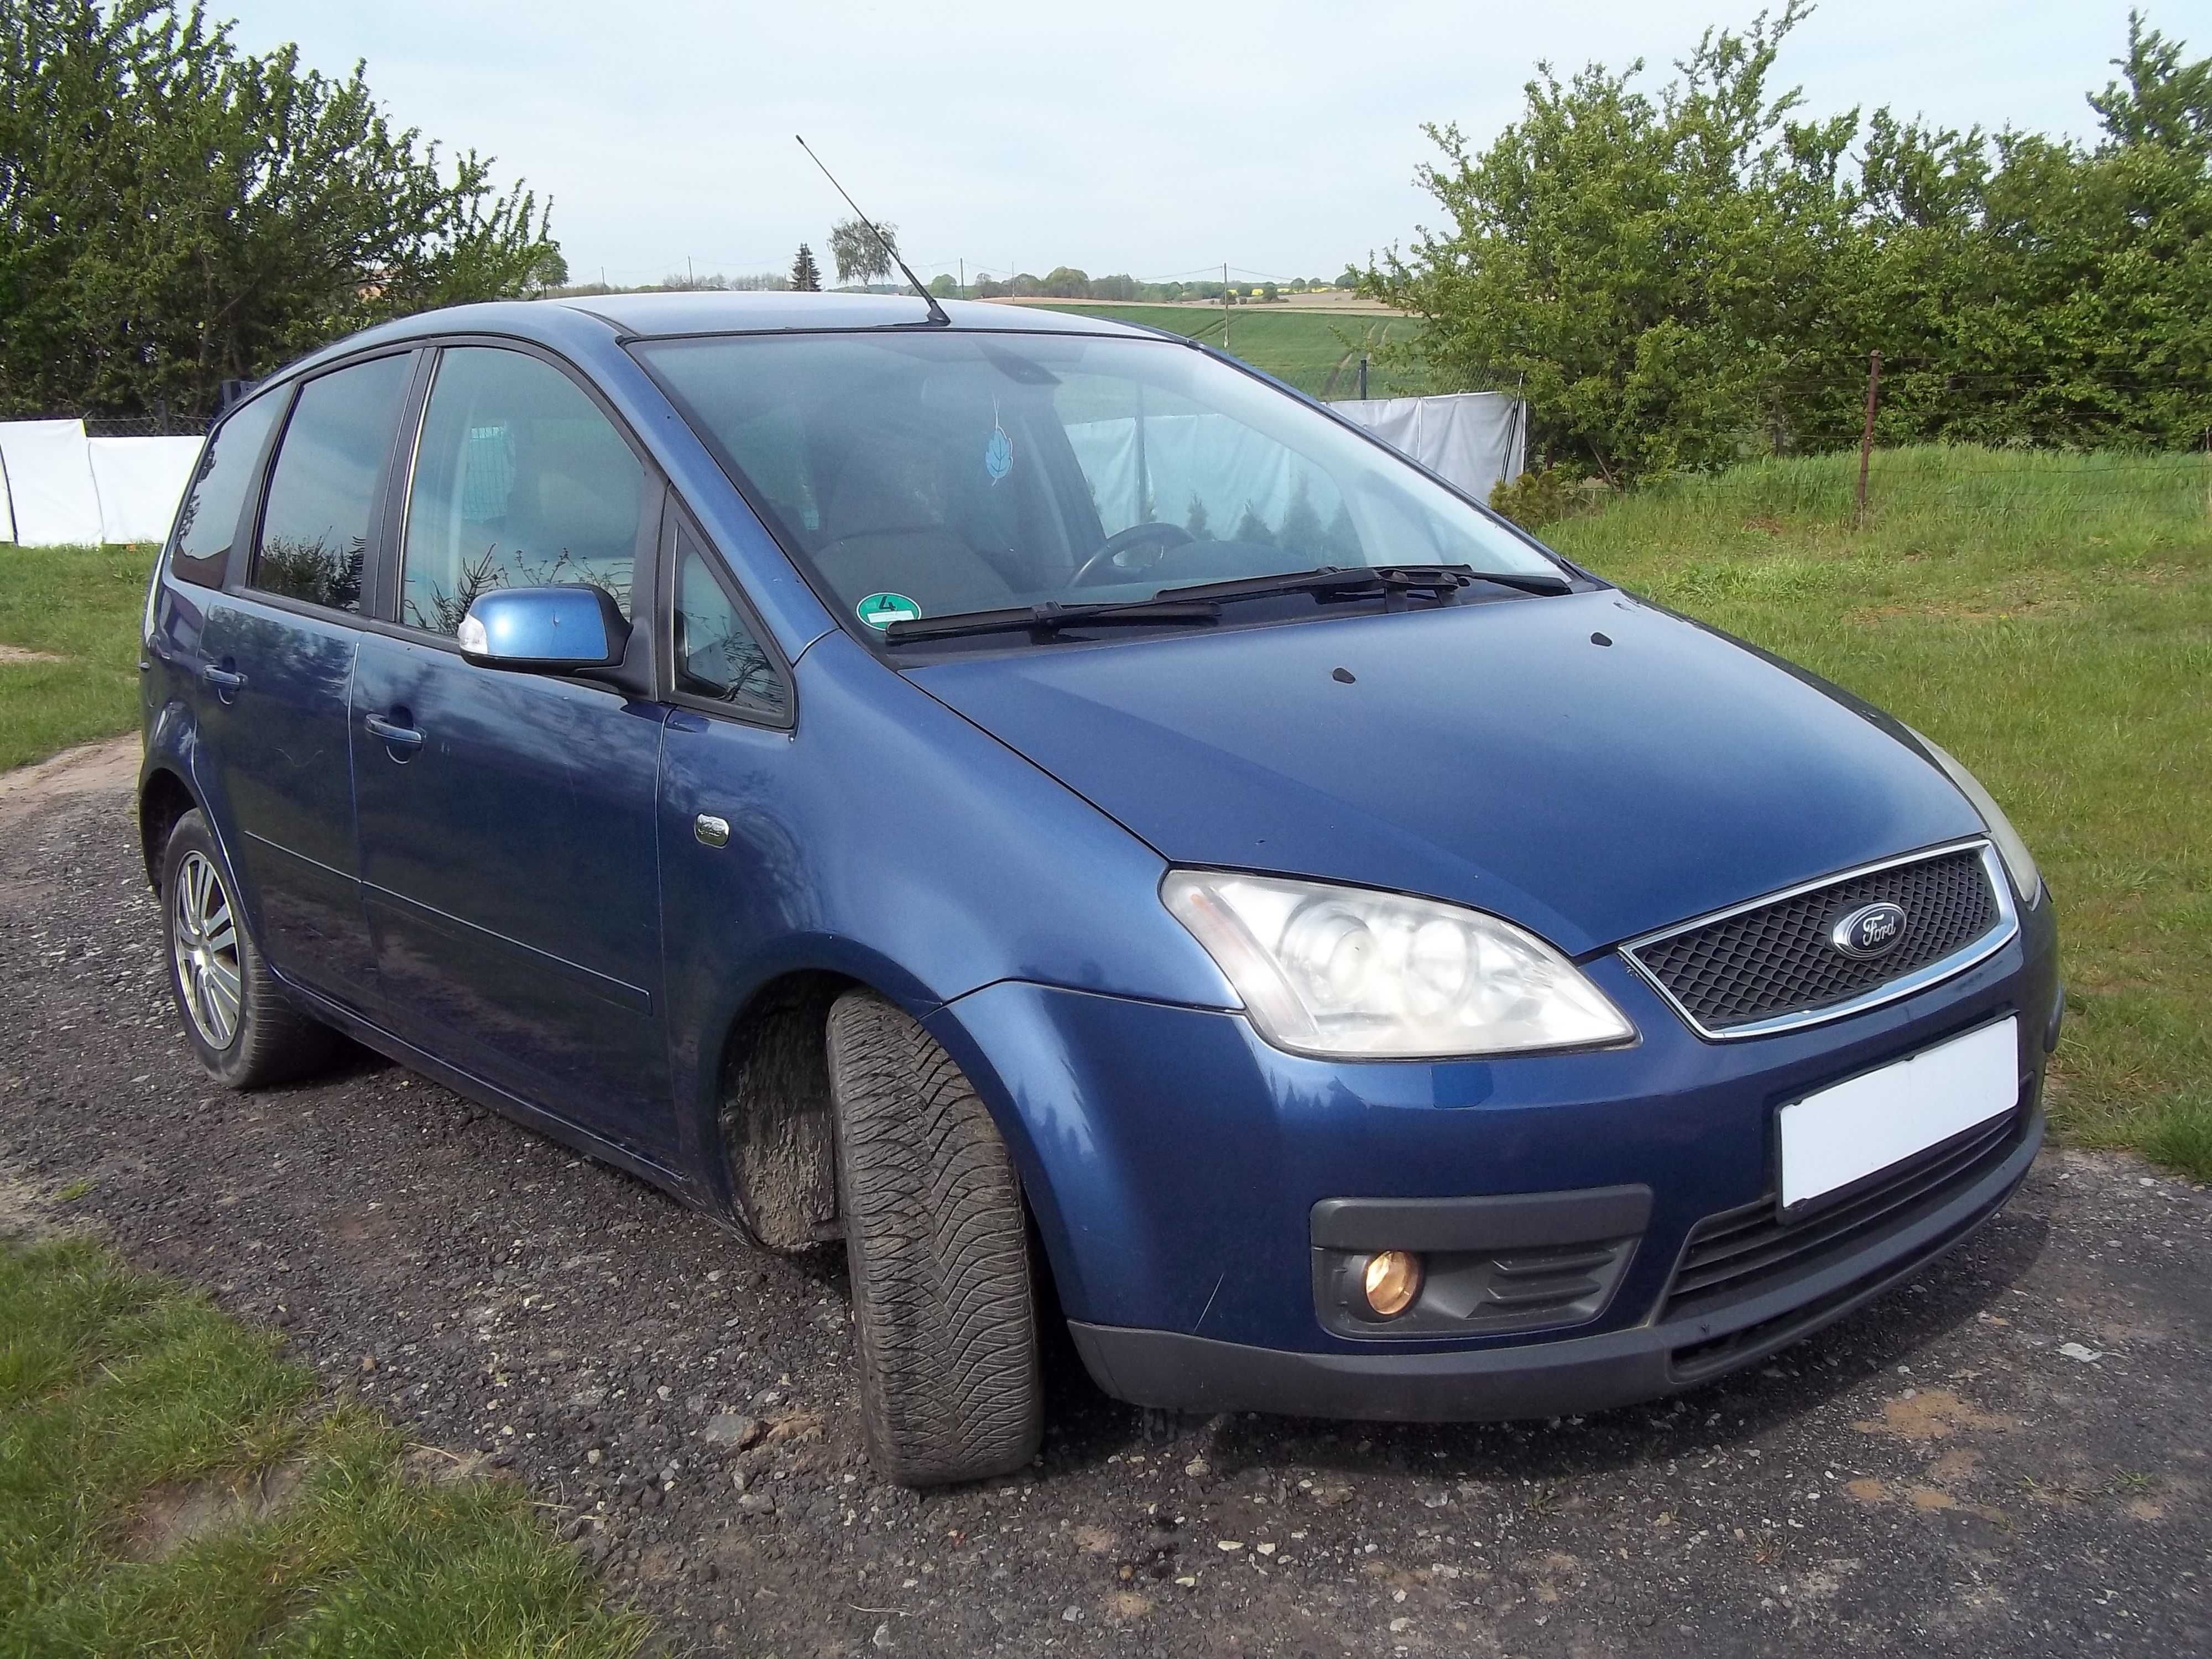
point(1087, 1428)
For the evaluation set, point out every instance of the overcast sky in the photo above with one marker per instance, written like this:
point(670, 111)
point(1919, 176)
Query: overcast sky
point(1156, 139)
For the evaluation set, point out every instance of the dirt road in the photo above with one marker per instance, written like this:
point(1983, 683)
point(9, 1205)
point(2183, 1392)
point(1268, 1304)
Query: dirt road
point(2011, 1456)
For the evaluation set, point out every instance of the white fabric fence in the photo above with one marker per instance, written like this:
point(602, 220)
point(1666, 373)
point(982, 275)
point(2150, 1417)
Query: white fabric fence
point(1472, 440)
point(1475, 439)
point(58, 487)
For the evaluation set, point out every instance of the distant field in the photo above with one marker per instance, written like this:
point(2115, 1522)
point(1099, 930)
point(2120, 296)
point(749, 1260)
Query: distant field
point(1317, 352)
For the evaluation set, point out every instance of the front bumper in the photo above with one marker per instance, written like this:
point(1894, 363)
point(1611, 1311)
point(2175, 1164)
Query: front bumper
point(1561, 1378)
point(1179, 1167)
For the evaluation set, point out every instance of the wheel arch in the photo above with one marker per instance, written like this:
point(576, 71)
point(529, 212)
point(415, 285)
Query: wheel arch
point(775, 1040)
point(164, 797)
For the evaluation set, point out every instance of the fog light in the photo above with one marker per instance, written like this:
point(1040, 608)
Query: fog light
point(1390, 1281)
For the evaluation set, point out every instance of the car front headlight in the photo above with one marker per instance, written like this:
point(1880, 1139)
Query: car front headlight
point(1346, 973)
point(2027, 879)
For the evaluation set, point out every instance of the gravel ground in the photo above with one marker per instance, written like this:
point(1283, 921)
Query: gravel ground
point(2009, 1456)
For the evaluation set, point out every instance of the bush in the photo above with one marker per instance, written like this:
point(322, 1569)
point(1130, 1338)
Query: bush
point(1546, 495)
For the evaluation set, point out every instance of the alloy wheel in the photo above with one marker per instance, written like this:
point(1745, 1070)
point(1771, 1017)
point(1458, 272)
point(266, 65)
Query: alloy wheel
point(203, 937)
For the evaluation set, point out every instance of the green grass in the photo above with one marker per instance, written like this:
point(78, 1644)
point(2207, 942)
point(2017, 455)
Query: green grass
point(1317, 351)
point(118, 1391)
point(2048, 619)
point(81, 605)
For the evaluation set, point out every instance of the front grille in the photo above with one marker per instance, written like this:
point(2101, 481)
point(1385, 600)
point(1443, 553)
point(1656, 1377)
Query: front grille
point(1739, 1252)
point(1776, 959)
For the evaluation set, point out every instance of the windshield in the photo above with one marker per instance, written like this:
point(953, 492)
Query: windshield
point(934, 475)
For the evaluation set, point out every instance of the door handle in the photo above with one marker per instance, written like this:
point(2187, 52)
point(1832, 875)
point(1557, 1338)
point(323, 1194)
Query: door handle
point(399, 737)
point(710, 830)
point(222, 679)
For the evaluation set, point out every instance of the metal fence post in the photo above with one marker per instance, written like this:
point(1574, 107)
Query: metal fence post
point(1363, 374)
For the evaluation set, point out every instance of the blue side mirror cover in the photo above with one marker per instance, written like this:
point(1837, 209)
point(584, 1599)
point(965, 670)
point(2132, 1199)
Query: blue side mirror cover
point(560, 628)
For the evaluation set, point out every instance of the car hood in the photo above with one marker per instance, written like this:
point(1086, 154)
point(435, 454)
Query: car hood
point(1589, 766)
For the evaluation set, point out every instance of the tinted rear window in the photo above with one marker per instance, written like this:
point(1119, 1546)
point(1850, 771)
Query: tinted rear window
point(209, 521)
point(322, 492)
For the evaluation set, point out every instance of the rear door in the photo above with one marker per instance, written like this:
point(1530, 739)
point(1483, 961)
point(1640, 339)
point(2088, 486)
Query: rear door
point(507, 818)
point(278, 650)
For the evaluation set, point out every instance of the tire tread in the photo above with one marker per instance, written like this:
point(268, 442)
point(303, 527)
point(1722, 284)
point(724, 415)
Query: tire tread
point(943, 1303)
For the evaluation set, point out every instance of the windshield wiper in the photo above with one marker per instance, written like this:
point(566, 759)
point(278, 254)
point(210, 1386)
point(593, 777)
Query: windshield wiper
point(1352, 582)
point(1050, 617)
point(1201, 602)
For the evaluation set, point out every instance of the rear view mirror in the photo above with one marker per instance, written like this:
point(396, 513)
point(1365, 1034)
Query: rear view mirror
point(559, 628)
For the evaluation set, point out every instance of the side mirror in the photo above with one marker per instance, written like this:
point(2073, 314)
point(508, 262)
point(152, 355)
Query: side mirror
point(552, 628)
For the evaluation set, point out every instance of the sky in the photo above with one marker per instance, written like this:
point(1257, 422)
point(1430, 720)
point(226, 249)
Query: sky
point(1161, 140)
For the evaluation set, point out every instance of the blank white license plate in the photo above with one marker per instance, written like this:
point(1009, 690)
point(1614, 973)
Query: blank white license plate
point(1845, 1134)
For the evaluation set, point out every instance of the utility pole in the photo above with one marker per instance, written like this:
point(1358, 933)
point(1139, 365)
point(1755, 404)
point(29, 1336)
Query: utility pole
point(1224, 305)
point(1866, 442)
point(690, 277)
point(963, 276)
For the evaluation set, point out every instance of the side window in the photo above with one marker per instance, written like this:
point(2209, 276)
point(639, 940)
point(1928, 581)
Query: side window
point(716, 654)
point(322, 492)
point(519, 481)
point(208, 519)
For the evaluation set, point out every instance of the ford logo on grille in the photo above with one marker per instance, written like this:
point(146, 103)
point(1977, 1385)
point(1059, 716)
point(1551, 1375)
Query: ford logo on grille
point(1870, 931)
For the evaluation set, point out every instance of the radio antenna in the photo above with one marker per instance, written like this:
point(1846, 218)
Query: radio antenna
point(937, 317)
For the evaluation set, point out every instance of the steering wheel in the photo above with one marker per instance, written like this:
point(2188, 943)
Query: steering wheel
point(1169, 536)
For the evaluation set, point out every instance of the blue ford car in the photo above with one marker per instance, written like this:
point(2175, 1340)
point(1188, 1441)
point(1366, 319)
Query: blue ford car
point(1043, 808)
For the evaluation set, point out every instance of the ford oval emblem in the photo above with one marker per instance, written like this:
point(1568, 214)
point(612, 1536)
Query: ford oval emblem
point(1870, 931)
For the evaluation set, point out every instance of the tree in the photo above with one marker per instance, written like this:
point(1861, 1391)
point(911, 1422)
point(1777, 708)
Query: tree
point(943, 285)
point(806, 276)
point(174, 214)
point(1066, 283)
point(1677, 280)
point(859, 256)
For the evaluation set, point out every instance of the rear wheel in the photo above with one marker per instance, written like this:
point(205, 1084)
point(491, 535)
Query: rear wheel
point(942, 1307)
point(244, 1030)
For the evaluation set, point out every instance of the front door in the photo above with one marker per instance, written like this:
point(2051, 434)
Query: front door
point(279, 655)
point(507, 818)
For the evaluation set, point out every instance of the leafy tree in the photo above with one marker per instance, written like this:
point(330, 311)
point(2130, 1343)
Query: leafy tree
point(857, 253)
point(1066, 283)
point(1676, 280)
point(805, 275)
point(943, 285)
point(175, 213)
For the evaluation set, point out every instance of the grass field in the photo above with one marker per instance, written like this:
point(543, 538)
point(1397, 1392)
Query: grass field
point(169, 1484)
point(1317, 352)
point(70, 614)
point(2048, 619)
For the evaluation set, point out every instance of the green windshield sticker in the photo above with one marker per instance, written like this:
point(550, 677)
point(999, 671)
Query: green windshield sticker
point(881, 609)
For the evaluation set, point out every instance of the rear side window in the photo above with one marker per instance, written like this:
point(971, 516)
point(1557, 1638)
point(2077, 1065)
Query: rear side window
point(209, 521)
point(322, 493)
point(519, 481)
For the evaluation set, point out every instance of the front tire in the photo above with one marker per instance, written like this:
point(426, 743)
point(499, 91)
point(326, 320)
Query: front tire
point(943, 1307)
point(246, 1032)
